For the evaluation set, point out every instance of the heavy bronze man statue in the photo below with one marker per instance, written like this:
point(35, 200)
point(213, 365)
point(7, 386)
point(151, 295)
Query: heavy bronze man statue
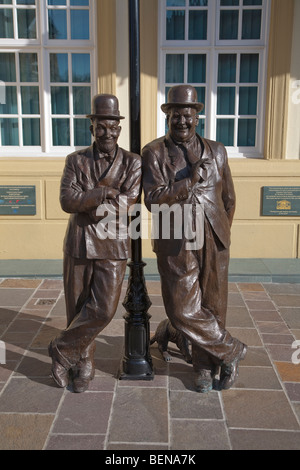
point(94, 266)
point(190, 176)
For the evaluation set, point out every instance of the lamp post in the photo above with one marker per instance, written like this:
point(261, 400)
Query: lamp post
point(137, 362)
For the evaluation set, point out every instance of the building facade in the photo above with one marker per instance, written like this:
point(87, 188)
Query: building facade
point(242, 57)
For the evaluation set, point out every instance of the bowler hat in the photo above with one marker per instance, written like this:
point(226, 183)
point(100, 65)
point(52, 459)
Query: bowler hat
point(105, 106)
point(184, 96)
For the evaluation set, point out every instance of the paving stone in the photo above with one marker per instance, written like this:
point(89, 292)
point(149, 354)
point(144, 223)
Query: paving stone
point(293, 391)
point(258, 409)
point(198, 435)
point(250, 287)
point(265, 315)
point(291, 316)
point(139, 415)
point(84, 413)
point(14, 297)
point(24, 432)
point(286, 300)
point(257, 378)
point(247, 439)
point(276, 328)
point(23, 395)
point(260, 305)
point(288, 372)
point(248, 336)
point(76, 442)
point(280, 352)
point(21, 283)
point(238, 317)
point(184, 404)
point(282, 288)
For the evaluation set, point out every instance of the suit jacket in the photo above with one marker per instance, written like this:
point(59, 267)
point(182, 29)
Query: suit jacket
point(163, 185)
point(81, 194)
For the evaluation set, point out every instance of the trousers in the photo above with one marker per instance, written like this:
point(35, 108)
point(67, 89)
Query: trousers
point(92, 292)
point(195, 292)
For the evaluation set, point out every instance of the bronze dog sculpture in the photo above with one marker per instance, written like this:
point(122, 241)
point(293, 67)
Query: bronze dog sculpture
point(165, 332)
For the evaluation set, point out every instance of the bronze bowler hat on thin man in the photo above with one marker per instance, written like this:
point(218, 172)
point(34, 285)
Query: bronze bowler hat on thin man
point(184, 96)
point(105, 107)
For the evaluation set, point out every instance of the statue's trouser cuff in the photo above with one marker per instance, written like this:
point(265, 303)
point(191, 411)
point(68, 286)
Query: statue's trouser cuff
point(92, 293)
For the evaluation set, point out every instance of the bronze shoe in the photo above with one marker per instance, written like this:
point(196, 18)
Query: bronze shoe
point(204, 381)
point(229, 372)
point(84, 371)
point(60, 366)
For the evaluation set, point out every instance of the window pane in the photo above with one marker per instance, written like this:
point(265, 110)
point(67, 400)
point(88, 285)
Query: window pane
point(175, 3)
point(198, 24)
point(26, 24)
point(57, 2)
point(252, 2)
point(175, 24)
point(249, 68)
point(6, 23)
point(229, 24)
point(198, 3)
point(61, 132)
point(225, 131)
point(31, 131)
point(60, 99)
point(25, 2)
point(201, 127)
point(59, 68)
point(80, 28)
point(197, 68)
point(251, 24)
point(6, 2)
point(79, 2)
point(82, 133)
point(248, 100)
point(226, 100)
point(229, 3)
point(29, 67)
point(247, 132)
point(7, 67)
point(174, 68)
point(10, 104)
point(81, 68)
point(227, 68)
point(201, 96)
point(9, 131)
point(30, 100)
point(81, 100)
point(57, 24)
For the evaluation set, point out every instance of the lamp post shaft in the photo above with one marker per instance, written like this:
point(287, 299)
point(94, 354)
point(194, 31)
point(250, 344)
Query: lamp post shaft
point(137, 362)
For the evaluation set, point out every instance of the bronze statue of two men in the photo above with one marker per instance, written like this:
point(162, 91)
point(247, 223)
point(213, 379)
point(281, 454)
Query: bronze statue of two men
point(180, 171)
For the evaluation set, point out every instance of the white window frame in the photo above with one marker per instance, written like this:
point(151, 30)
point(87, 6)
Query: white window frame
point(44, 46)
point(212, 47)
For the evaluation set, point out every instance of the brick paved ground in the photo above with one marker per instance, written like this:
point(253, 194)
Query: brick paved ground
point(262, 411)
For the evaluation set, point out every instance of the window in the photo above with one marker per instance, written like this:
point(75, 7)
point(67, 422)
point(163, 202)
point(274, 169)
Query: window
point(47, 75)
point(219, 47)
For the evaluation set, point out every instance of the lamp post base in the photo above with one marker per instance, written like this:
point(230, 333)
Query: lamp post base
point(137, 361)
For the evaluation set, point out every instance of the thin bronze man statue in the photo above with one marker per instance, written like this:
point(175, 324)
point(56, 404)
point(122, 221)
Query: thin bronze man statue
point(94, 267)
point(188, 173)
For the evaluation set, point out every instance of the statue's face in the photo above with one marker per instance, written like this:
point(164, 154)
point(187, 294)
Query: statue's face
point(182, 123)
point(106, 134)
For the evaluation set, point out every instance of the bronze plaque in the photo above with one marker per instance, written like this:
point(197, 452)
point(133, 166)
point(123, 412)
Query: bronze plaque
point(281, 201)
point(17, 200)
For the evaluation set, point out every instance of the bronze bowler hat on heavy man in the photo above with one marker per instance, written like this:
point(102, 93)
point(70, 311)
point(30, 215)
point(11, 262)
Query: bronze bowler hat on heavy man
point(105, 106)
point(183, 96)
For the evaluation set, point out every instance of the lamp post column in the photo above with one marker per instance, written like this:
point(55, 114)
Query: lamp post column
point(137, 362)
